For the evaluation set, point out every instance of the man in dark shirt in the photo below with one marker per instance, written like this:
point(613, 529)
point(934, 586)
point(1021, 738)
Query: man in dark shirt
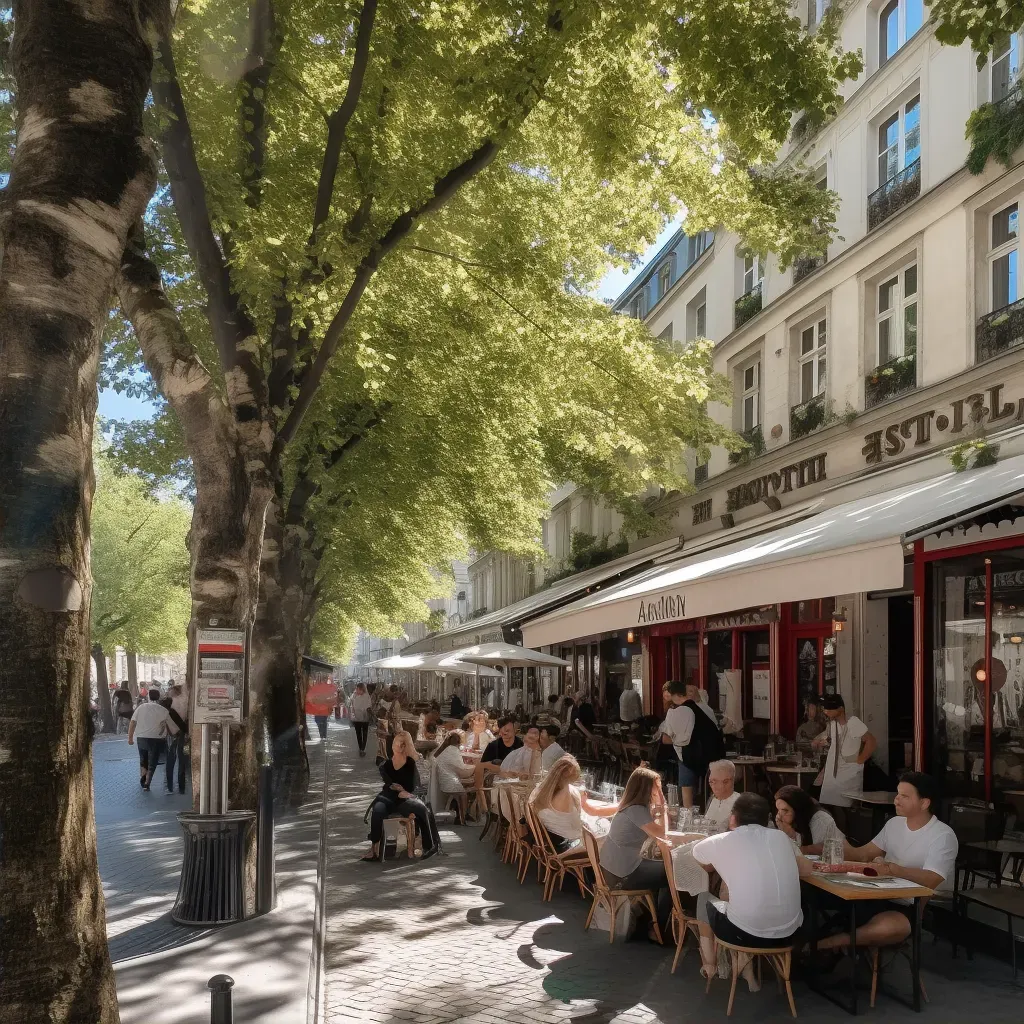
point(494, 753)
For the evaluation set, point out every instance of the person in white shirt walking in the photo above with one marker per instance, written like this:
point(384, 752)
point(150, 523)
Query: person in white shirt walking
point(722, 777)
point(359, 709)
point(149, 726)
point(631, 706)
point(761, 869)
point(914, 845)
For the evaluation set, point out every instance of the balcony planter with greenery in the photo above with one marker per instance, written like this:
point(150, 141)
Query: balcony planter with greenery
point(587, 552)
point(897, 192)
point(755, 447)
point(890, 379)
point(748, 305)
point(999, 331)
point(996, 129)
point(805, 419)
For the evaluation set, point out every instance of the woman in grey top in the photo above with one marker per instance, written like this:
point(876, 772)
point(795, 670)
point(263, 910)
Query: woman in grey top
point(631, 827)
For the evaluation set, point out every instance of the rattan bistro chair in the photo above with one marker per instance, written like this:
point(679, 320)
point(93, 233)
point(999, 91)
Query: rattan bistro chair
point(612, 899)
point(780, 957)
point(681, 924)
point(556, 867)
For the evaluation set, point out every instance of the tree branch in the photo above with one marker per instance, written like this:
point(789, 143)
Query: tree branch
point(263, 45)
point(337, 123)
point(228, 321)
point(444, 188)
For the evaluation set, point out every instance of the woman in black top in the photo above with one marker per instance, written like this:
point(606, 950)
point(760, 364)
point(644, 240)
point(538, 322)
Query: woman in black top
point(399, 775)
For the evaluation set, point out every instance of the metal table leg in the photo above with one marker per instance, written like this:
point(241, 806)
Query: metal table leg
point(853, 957)
point(915, 956)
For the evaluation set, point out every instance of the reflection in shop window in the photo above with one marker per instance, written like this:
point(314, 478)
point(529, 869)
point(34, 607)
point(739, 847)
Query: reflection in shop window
point(959, 649)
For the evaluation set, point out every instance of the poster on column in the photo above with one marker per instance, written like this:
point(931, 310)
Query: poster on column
point(219, 676)
point(761, 690)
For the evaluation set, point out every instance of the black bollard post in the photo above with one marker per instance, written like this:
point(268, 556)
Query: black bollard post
point(220, 986)
point(266, 886)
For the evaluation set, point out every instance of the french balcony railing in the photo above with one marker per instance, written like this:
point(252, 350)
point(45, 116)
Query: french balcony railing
point(893, 378)
point(806, 418)
point(807, 265)
point(755, 441)
point(748, 305)
point(897, 192)
point(999, 331)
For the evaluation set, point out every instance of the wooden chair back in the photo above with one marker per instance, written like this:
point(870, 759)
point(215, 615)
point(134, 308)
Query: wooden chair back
point(594, 853)
point(666, 855)
point(541, 835)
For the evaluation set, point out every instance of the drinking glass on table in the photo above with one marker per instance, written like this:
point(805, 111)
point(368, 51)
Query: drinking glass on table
point(685, 819)
point(832, 850)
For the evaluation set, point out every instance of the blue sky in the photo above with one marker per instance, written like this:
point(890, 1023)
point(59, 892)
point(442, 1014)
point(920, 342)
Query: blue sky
point(120, 407)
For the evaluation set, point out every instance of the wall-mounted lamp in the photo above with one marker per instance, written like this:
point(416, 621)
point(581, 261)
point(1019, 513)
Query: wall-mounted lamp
point(839, 621)
point(1015, 638)
point(629, 637)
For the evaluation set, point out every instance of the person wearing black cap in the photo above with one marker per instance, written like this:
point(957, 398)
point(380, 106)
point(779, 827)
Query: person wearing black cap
point(850, 745)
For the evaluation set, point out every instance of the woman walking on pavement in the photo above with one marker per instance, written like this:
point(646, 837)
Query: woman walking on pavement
point(359, 709)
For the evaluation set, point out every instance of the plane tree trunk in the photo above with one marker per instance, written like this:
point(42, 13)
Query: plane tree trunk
point(103, 688)
point(82, 174)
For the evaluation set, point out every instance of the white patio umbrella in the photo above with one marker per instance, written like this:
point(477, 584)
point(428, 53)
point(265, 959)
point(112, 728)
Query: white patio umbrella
point(508, 656)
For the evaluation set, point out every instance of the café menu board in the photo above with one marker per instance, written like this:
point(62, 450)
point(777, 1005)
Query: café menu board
point(220, 676)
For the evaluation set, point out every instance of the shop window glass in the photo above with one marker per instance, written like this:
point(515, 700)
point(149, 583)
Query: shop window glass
point(814, 611)
point(958, 654)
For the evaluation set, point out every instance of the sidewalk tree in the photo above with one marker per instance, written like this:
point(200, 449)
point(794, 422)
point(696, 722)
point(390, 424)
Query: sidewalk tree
point(319, 155)
point(74, 81)
point(140, 566)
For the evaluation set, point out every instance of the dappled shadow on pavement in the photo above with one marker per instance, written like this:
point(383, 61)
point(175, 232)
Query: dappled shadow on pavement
point(457, 939)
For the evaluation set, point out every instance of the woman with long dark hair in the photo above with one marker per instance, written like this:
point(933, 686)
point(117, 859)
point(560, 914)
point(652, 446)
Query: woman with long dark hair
point(800, 816)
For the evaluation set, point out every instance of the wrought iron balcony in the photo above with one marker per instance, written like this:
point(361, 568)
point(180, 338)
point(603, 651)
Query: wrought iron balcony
point(893, 378)
point(748, 305)
point(755, 439)
point(807, 265)
point(999, 331)
point(806, 418)
point(896, 193)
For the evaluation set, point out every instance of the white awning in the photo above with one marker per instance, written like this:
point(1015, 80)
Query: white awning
point(852, 547)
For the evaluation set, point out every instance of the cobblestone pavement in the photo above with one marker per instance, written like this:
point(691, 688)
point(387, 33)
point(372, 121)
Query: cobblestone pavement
point(458, 940)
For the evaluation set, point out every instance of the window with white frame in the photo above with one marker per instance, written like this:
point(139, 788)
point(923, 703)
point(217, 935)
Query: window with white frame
point(697, 244)
point(666, 334)
point(697, 316)
point(664, 278)
point(899, 140)
point(815, 12)
point(1002, 257)
point(898, 21)
point(812, 360)
point(636, 306)
point(896, 316)
point(1004, 66)
point(750, 395)
point(751, 272)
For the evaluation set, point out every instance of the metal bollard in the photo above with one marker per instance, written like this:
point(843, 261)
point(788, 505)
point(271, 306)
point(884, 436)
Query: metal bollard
point(220, 986)
point(266, 893)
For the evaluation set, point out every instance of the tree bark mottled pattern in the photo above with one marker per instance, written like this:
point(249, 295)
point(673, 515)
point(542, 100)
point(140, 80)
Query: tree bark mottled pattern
point(82, 174)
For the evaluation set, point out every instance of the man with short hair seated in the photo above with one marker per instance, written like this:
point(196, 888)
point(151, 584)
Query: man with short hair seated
point(762, 869)
point(914, 845)
point(722, 777)
point(551, 749)
point(494, 754)
point(525, 761)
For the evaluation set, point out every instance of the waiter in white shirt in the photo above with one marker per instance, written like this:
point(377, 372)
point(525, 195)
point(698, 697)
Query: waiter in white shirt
point(850, 746)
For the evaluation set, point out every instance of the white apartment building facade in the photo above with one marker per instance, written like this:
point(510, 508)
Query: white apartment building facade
point(860, 379)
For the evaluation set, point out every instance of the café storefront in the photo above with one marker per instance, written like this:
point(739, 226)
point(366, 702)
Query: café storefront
point(769, 619)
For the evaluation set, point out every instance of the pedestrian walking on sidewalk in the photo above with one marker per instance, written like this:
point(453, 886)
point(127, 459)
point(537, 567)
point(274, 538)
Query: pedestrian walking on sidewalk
point(177, 730)
point(359, 708)
point(149, 726)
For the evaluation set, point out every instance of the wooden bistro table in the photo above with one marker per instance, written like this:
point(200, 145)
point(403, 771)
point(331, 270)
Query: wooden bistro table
point(850, 891)
point(744, 763)
point(800, 775)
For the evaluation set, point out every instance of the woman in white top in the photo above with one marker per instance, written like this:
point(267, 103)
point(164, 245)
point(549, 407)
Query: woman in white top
point(850, 745)
point(359, 709)
point(799, 816)
point(454, 774)
point(558, 801)
point(479, 735)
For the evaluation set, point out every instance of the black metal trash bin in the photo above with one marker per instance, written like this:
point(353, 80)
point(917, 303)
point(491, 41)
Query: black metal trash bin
point(212, 886)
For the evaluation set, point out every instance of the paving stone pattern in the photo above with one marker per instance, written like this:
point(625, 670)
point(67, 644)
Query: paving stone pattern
point(456, 939)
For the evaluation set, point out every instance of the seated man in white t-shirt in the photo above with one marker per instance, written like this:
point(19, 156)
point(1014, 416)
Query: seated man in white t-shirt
point(722, 777)
point(525, 761)
point(762, 869)
point(551, 749)
point(914, 845)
